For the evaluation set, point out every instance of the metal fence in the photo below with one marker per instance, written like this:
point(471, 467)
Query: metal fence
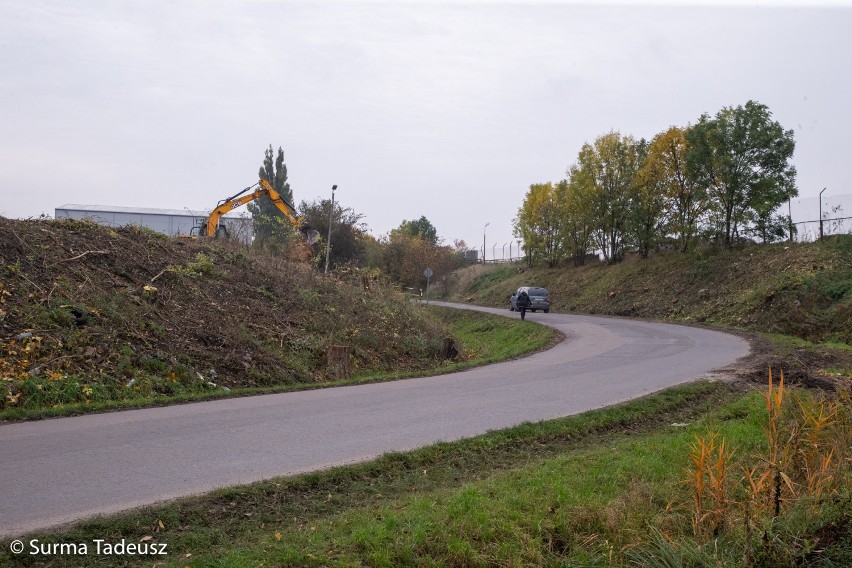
point(504, 260)
point(810, 231)
point(805, 213)
point(820, 216)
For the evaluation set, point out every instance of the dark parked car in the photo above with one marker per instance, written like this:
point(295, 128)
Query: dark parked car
point(539, 297)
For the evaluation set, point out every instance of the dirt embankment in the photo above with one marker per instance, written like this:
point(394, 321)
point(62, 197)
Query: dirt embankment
point(91, 313)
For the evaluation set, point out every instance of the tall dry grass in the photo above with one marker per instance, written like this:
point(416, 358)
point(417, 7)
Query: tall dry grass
point(805, 462)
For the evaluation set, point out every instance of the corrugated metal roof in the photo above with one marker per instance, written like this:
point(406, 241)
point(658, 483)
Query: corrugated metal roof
point(147, 210)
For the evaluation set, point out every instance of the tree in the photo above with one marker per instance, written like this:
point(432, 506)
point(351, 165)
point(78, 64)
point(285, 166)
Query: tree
point(576, 206)
point(606, 169)
point(539, 225)
point(741, 156)
point(765, 223)
point(665, 167)
point(348, 234)
point(404, 257)
point(270, 228)
point(648, 205)
point(445, 261)
point(421, 228)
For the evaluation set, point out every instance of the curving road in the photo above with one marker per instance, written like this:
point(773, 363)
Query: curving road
point(60, 470)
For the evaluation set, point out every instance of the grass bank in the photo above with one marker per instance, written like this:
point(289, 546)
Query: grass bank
point(480, 339)
point(794, 300)
point(801, 290)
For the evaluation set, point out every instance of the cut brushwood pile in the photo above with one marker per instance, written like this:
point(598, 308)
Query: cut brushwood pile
point(91, 313)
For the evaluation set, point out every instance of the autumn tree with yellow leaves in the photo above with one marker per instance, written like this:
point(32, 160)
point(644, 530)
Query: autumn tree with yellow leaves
point(539, 225)
point(725, 176)
point(577, 208)
point(606, 170)
point(665, 165)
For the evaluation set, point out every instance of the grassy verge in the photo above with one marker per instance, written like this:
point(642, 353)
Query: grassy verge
point(611, 487)
point(494, 338)
point(240, 526)
point(483, 339)
point(791, 343)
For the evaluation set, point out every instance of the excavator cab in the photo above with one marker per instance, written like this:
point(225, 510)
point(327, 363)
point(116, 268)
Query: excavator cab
point(221, 231)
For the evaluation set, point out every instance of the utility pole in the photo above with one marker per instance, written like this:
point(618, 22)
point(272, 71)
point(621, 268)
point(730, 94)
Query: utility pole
point(328, 241)
point(820, 213)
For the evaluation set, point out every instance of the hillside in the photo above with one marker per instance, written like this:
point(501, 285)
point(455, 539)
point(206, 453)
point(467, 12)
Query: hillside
point(90, 313)
point(800, 291)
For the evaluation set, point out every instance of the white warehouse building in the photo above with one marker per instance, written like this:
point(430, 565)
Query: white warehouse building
point(172, 222)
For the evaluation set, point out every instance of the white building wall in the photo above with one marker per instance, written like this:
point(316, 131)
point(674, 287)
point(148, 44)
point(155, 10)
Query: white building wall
point(166, 221)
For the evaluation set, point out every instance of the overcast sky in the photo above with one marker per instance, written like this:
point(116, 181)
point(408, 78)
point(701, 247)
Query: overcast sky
point(444, 109)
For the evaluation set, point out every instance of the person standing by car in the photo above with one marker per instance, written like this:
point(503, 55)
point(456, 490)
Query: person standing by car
point(523, 302)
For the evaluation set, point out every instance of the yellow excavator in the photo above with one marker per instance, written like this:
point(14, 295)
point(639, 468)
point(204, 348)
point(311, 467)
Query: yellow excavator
point(211, 227)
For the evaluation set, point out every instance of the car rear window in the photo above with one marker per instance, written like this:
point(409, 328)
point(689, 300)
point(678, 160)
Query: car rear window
point(537, 292)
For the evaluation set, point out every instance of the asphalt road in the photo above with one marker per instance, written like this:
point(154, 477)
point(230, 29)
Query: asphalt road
point(60, 470)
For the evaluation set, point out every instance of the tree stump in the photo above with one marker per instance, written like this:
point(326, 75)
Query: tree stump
point(338, 361)
point(149, 294)
point(450, 350)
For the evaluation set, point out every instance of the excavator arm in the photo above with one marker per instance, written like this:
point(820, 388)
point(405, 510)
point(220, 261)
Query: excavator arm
point(210, 228)
point(288, 210)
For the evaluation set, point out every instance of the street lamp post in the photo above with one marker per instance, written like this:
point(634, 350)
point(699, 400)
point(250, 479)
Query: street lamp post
point(820, 213)
point(328, 241)
point(483, 242)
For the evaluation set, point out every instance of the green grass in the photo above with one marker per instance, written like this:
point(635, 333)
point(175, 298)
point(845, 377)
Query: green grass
point(798, 343)
point(587, 506)
point(449, 481)
point(495, 338)
point(484, 339)
point(604, 488)
point(496, 275)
